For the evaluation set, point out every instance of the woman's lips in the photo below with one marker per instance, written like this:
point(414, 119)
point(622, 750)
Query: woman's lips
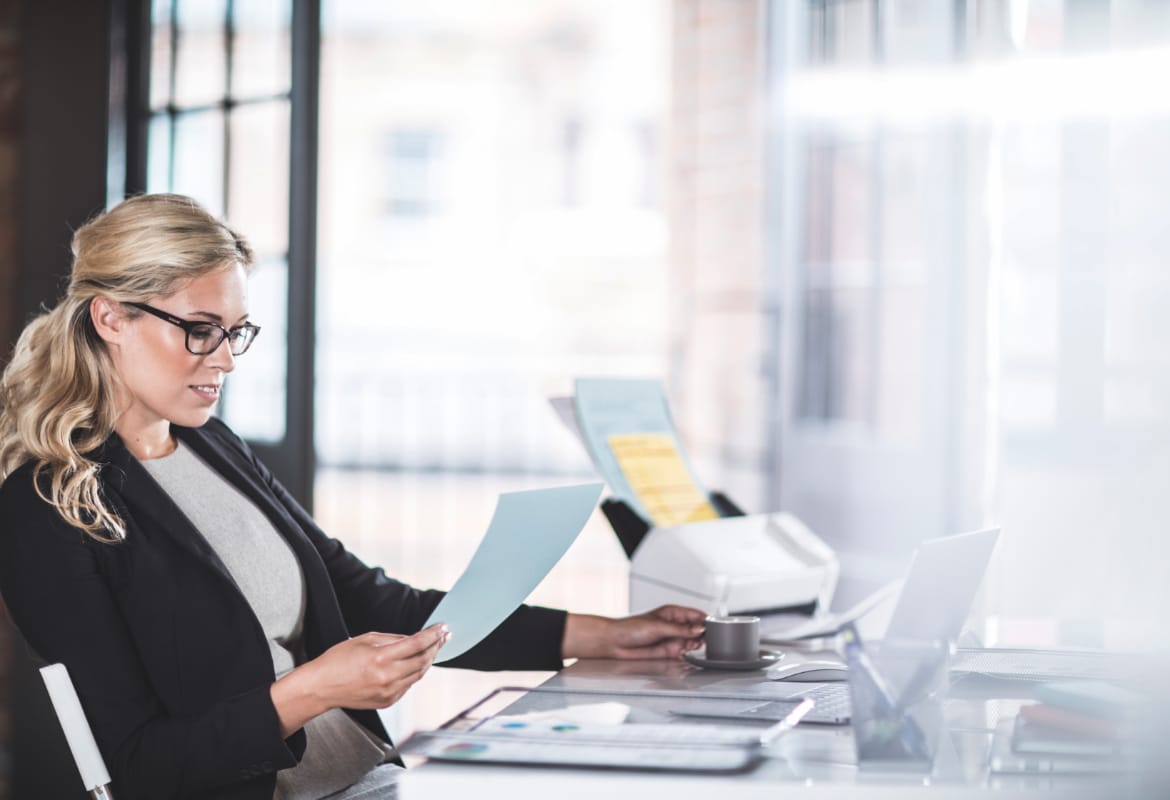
point(208, 391)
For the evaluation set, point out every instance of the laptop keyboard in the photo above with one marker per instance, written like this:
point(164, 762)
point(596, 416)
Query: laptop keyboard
point(830, 706)
point(831, 703)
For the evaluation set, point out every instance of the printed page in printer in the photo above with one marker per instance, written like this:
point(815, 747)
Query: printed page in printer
point(627, 429)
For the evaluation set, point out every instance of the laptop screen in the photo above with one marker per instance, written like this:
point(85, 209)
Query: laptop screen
point(940, 587)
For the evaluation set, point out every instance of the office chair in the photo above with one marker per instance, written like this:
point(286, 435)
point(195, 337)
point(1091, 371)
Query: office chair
point(41, 767)
point(94, 775)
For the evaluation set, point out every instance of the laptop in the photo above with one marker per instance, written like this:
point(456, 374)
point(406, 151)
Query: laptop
point(935, 600)
point(944, 576)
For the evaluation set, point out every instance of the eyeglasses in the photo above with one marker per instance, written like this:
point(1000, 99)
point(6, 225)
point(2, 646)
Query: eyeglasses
point(205, 337)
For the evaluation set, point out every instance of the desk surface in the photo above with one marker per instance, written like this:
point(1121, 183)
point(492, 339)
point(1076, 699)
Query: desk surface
point(816, 760)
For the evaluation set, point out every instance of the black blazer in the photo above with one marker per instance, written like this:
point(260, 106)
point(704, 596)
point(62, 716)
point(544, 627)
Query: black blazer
point(169, 660)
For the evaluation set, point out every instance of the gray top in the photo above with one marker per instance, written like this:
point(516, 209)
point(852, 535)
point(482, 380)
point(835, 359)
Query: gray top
point(267, 573)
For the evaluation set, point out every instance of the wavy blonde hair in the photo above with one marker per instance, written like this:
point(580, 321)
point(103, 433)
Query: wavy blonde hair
point(56, 394)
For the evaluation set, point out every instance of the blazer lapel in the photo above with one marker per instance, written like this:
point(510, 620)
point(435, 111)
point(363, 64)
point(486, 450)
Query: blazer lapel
point(145, 501)
point(242, 475)
point(322, 607)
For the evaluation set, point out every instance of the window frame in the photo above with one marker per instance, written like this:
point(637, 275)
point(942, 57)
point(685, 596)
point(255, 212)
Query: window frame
point(292, 459)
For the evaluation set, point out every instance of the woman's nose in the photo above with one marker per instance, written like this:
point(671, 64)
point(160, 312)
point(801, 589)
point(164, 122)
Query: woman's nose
point(222, 356)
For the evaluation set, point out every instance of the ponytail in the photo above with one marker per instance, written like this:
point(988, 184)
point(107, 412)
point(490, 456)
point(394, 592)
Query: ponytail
point(57, 393)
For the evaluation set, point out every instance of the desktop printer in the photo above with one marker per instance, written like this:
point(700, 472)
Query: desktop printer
point(755, 564)
point(719, 559)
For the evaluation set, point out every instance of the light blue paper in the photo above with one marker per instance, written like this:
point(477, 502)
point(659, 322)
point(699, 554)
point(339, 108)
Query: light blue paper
point(528, 534)
point(609, 406)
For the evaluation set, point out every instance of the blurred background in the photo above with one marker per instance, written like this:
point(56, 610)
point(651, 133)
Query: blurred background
point(900, 264)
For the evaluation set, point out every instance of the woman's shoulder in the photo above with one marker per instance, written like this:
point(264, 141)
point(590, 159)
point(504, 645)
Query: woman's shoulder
point(31, 482)
point(24, 510)
point(20, 487)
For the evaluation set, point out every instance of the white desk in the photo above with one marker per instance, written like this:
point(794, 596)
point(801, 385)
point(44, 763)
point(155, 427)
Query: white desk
point(812, 761)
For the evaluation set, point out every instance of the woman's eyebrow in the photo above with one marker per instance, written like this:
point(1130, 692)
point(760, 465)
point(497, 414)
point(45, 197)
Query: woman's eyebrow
point(216, 317)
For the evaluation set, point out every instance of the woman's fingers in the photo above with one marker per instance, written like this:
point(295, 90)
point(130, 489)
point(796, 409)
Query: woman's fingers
point(375, 669)
point(680, 614)
point(412, 652)
point(650, 629)
point(670, 648)
point(398, 663)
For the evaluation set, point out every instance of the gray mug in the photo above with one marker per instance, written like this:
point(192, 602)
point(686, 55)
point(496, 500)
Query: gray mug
point(732, 638)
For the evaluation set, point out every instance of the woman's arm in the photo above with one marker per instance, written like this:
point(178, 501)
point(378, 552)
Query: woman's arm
point(371, 601)
point(531, 638)
point(369, 671)
point(666, 632)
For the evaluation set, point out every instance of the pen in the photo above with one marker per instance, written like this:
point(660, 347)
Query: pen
point(788, 723)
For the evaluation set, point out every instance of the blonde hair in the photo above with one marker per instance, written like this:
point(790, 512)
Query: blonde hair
point(56, 394)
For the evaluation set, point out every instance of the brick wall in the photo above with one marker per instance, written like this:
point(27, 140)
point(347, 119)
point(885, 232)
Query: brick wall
point(716, 218)
point(9, 161)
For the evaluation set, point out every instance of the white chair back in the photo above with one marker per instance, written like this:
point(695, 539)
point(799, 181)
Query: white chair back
point(77, 731)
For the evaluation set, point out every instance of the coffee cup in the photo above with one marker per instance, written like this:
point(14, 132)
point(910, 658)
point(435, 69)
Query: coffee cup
point(732, 638)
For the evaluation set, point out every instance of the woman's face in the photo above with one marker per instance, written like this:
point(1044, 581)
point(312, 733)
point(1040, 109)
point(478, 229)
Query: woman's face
point(162, 381)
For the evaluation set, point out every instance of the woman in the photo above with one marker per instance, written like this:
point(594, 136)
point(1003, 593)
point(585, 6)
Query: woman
point(222, 645)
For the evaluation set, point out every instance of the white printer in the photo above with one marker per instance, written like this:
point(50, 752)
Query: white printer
point(733, 564)
point(758, 563)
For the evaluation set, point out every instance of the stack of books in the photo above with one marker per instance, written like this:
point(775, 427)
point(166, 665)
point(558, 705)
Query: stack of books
point(1074, 727)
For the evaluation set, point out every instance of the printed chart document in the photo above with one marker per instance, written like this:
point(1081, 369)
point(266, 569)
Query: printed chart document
point(627, 429)
point(528, 534)
point(615, 729)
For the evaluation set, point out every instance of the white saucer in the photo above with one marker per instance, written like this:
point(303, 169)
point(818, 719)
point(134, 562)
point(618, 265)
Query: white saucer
point(699, 658)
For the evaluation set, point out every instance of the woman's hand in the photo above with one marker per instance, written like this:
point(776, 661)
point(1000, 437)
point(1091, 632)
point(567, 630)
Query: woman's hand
point(373, 670)
point(665, 632)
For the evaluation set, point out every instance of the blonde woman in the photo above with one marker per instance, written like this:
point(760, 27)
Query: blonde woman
point(223, 646)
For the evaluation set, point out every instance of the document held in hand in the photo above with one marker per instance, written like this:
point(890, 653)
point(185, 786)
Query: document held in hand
point(528, 534)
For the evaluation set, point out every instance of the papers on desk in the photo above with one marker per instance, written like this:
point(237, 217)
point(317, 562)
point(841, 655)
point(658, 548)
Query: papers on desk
point(1077, 726)
point(627, 429)
point(592, 728)
point(830, 624)
point(528, 534)
point(1044, 665)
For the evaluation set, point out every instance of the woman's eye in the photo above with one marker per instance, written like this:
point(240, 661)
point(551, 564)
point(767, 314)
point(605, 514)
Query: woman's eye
point(202, 332)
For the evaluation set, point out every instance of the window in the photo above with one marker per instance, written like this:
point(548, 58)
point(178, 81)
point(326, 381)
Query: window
point(485, 238)
point(219, 131)
point(412, 166)
point(972, 332)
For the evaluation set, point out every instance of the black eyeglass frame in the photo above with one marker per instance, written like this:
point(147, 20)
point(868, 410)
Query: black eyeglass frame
point(189, 325)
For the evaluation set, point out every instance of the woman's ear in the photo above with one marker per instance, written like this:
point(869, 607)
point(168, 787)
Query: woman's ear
point(109, 320)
